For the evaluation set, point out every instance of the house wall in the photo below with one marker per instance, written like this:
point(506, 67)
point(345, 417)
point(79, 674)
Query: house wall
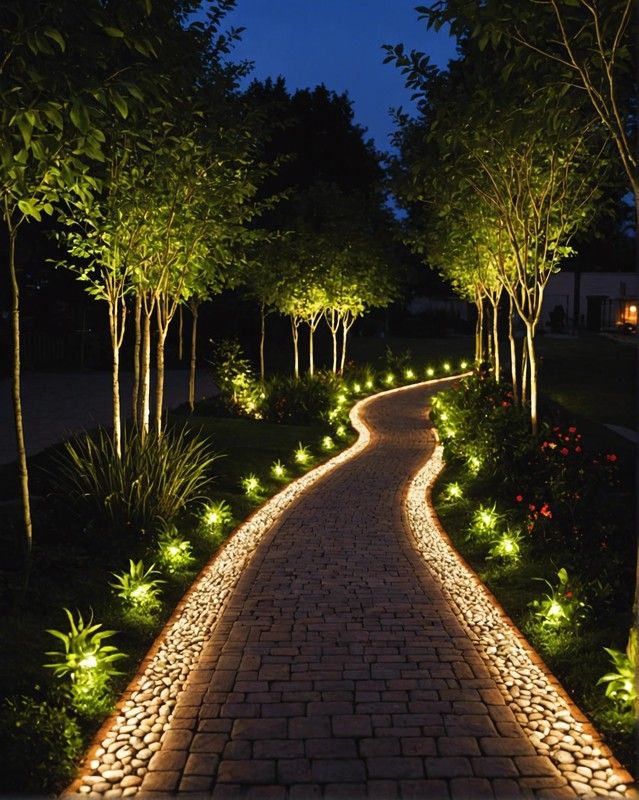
point(595, 300)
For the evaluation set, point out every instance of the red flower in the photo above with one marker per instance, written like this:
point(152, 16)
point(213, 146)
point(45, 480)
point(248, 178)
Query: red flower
point(572, 429)
point(564, 451)
point(505, 404)
point(569, 595)
point(531, 507)
point(519, 498)
point(611, 457)
point(577, 449)
point(545, 511)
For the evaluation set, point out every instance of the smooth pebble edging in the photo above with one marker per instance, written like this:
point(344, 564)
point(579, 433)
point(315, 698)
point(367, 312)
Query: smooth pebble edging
point(556, 727)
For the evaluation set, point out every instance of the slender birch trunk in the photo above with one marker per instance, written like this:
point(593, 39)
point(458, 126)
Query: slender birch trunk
point(296, 355)
point(513, 353)
point(479, 331)
point(159, 376)
point(145, 376)
point(334, 326)
point(496, 355)
point(117, 321)
point(16, 390)
point(136, 357)
point(195, 310)
point(532, 368)
point(347, 324)
point(524, 374)
point(262, 340)
point(311, 350)
point(180, 333)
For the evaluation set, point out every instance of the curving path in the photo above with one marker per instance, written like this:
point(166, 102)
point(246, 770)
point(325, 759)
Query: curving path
point(338, 668)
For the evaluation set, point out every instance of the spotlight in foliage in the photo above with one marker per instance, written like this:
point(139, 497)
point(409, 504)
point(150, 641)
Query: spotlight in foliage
point(446, 366)
point(369, 383)
point(302, 454)
point(216, 517)
point(464, 365)
point(278, 471)
point(474, 464)
point(409, 374)
point(328, 444)
point(621, 684)
point(252, 486)
point(561, 607)
point(340, 431)
point(357, 387)
point(86, 662)
point(506, 548)
point(453, 492)
point(138, 588)
point(430, 372)
point(174, 552)
point(389, 379)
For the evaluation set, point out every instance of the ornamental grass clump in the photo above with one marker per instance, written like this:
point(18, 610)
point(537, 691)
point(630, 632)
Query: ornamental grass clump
point(156, 477)
point(85, 664)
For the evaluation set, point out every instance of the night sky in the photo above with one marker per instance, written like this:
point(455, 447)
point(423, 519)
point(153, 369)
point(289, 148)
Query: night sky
point(338, 43)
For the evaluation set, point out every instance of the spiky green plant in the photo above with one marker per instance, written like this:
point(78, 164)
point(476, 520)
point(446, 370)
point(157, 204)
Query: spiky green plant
point(216, 517)
point(302, 454)
point(85, 663)
point(174, 552)
point(279, 471)
point(252, 486)
point(138, 588)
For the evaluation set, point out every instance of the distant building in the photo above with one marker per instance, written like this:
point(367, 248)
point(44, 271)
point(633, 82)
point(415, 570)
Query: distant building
point(597, 301)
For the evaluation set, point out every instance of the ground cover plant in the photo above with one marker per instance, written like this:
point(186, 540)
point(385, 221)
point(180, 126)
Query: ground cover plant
point(101, 566)
point(546, 520)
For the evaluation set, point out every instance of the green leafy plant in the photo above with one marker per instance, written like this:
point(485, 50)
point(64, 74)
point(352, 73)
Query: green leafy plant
point(236, 379)
point(506, 547)
point(86, 662)
point(156, 477)
point(484, 522)
point(279, 471)
point(42, 745)
point(621, 685)
point(138, 589)
point(216, 517)
point(174, 552)
point(252, 486)
point(301, 400)
point(453, 492)
point(562, 606)
point(302, 454)
point(327, 443)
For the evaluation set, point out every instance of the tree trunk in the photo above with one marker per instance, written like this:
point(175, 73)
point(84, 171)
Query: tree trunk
point(479, 332)
point(16, 378)
point(347, 324)
point(163, 327)
point(145, 375)
point(262, 340)
point(532, 368)
point(523, 361)
point(311, 351)
point(496, 358)
point(194, 311)
point(115, 376)
point(513, 353)
point(334, 326)
point(135, 399)
point(296, 354)
point(180, 333)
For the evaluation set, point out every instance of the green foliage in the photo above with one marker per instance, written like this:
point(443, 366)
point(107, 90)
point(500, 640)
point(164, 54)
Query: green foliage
point(174, 552)
point(484, 522)
point(506, 548)
point(621, 685)
point(279, 471)
point(216, 517)
point(299, 401)
point(302, 454)
point(85, 664)
point(236, 379)
point(562, 607)
point(155, 479)
point(43, 745)
point(138, 589)
point(252, 487)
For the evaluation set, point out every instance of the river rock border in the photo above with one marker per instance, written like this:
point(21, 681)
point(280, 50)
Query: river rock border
point(556, 727)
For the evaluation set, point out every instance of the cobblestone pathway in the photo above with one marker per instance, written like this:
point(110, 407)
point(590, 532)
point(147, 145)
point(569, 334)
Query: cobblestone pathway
point(338, 668)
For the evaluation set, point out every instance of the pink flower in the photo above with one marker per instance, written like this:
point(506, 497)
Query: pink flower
point(577, 449)
point(611, 457)
point(564, 451)
point(519, 498)
point(572, 429)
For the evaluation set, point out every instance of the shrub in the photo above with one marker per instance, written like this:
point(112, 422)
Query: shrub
point(138, 589)
point(156, 477)
point(174, 552)
point(300, 400)
point(621, 685)
point(234, 375)
point(86, 663)
point(41, 747)
point(216, 517)
point(562, 607)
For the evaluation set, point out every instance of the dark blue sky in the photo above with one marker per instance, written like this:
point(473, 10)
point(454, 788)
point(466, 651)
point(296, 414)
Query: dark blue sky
point(338, 43)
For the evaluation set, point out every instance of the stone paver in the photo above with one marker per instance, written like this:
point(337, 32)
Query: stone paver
point(336, 659)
